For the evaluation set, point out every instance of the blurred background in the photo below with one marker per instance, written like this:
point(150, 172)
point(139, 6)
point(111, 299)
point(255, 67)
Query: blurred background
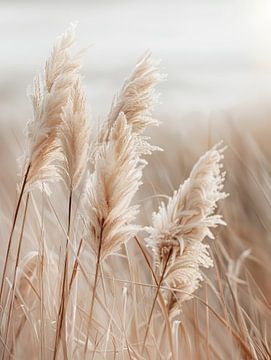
point(217, 57)
point(217, 54)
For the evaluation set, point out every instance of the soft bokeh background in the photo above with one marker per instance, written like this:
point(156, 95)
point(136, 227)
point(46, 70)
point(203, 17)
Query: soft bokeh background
point(217, 54)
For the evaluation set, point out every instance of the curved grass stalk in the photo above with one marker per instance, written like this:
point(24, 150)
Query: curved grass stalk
point(64, 291)
point(95, 285)
point(13, 283)
point(12, 230)
point(155, 298)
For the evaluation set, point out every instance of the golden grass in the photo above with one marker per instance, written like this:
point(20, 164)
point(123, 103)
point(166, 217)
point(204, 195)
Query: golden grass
point(83, 277)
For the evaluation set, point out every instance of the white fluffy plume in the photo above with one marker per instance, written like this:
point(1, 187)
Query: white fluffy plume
point(75, 137)
point(112, 186)
point(136, 100)
point(51, 92)
point(180, 226)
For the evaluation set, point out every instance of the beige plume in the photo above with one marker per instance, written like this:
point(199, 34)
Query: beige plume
point(180, 226)
point(112, 187)
point(50, 94)
point(75, 137)
point(136, 100)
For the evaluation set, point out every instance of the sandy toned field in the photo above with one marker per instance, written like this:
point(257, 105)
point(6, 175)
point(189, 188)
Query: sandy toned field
point(217, 57)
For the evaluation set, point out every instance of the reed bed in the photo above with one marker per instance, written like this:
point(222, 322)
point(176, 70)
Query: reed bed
point(91, 269)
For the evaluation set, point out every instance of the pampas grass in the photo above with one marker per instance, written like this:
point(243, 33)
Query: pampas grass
point(136, 100)
point(180, 227)
point(82, 277)
point(75, 137)
point(50, 95)
point(111, 188)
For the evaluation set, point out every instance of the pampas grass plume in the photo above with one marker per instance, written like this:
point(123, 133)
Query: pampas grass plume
point(180, 226)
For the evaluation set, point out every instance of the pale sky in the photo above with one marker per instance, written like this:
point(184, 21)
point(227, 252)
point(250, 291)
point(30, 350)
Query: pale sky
point(217, 53)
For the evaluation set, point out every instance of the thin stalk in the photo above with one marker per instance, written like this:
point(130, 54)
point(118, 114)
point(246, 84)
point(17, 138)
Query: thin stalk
point(41, 274)
point(12, 229)
point(64, 289)
point(207, 345)
point(147, 260)
point(41, 307)
point(163, 307)
point(13, 283)
point(155, 298)
point(95, 284)
point(235, 335)
point(75, 265)
point(133, 276)
point(196, 330)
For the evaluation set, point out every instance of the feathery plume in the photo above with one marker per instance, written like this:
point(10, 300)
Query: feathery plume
point(179, 227)
point(50, 94)
point(135, 100)
point(111, 188)
point(75, 137)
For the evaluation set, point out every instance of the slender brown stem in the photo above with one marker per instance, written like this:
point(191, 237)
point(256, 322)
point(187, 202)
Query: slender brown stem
point(41, 273)
point(64, 290)
point(162, 302)
point(155, 298)
point(75, 265)
point(95, 283)
point(12, 230)
point(13, 283)
point(207, 324)
point(147, 260)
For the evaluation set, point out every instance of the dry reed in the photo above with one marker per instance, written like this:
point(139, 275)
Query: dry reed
point(78, 279)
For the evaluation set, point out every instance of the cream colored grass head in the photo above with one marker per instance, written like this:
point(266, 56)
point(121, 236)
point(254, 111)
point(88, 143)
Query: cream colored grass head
point(112, 187)
point(180, 226)
point(51, 92)
point(81, 283)
point(74, 134)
